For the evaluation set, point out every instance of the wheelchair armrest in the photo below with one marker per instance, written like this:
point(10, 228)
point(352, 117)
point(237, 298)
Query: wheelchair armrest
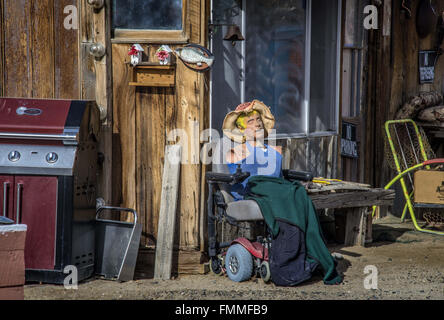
point(227, 178)
point(297, 175)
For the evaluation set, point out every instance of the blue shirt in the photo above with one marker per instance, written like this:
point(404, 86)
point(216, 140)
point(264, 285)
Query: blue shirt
point(259, 162)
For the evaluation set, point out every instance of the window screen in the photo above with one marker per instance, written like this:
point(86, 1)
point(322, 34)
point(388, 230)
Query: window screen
point(147, 14)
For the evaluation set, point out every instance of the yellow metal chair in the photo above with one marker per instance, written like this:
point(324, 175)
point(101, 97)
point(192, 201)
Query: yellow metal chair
point(409, 152)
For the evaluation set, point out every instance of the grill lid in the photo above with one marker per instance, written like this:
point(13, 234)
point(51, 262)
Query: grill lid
point(33, 115)
point(47, 119)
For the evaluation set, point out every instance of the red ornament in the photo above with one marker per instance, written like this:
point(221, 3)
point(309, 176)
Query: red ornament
point(133, 51)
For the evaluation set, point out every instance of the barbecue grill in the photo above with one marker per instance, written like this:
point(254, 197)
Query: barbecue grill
point(48, 165)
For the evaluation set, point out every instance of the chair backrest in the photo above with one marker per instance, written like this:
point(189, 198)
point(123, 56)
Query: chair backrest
point(406, 145)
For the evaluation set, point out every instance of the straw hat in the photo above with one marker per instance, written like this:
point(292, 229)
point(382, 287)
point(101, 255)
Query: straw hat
point(232, 131)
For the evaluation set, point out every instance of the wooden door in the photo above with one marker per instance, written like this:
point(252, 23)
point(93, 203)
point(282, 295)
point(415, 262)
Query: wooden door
point(143, 118)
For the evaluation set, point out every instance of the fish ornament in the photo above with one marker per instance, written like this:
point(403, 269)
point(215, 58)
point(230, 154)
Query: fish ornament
point(196, 57)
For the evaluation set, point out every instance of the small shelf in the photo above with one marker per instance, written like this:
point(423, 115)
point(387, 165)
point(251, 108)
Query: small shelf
point(153, 75)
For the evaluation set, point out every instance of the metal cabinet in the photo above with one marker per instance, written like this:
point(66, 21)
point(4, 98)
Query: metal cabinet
point(32, 200)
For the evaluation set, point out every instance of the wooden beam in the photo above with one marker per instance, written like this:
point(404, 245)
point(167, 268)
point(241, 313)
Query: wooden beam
point(377, 197)
point(167, 214)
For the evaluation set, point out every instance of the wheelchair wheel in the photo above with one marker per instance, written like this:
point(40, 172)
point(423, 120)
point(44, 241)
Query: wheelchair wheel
point(265, 271)
point(238, 263)
point(216, 266)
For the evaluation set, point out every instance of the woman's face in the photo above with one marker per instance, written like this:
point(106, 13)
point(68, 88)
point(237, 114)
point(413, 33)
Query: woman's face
point(254, 127)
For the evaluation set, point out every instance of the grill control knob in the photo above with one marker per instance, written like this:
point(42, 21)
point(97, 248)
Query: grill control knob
point(14, 156)
point(52, 157)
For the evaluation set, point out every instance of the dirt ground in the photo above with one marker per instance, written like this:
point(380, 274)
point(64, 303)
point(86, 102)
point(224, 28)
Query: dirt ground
point(410, 265)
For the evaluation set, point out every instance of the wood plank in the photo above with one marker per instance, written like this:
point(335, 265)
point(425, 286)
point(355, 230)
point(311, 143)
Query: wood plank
point(144, 185)
point(167, 214)
point(124, 124)
point(86, 26)
point(101, 36)
point(66, 55)
point(353, 199)
point(193, 20)
point(137, 36)
point(187, 92)
point(42, 48)
point(150, 146)
point(87, 76)
point(155, 158)
point(151, 84)
point(18, 58)
point(103, 94)
point(204, 102)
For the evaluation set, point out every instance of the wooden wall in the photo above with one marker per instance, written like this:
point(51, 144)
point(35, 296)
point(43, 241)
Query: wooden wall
point(39, 57)
point(393, 78)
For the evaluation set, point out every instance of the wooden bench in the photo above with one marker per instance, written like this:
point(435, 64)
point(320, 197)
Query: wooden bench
point(356, 202)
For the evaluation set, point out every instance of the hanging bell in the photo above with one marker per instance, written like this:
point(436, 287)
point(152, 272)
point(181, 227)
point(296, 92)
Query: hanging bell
point(234, 34)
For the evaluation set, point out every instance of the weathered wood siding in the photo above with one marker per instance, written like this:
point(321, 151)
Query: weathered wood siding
point(317, 155)
point(393, 78)
point(39, 57)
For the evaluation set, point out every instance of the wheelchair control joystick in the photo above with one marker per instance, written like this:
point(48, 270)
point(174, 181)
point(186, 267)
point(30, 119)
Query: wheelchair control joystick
point(240, 176)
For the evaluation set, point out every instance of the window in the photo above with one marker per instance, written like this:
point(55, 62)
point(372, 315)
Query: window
point(289, 60)
point(140, 19)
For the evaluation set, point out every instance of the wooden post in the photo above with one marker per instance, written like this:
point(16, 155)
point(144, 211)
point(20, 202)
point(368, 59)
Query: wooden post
point(167, 214)
point(356, 227)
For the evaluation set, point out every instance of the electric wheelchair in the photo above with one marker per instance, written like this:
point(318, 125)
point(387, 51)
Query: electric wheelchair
point(242, 257)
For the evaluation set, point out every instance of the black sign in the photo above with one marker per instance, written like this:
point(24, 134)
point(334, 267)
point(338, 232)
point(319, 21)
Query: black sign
point(349, 146)
point(427, 61)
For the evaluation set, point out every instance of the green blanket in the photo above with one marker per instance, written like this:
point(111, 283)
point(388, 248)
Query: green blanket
point(280, 199)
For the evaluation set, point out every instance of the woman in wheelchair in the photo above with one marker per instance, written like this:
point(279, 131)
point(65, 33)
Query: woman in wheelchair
point(297, 247)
